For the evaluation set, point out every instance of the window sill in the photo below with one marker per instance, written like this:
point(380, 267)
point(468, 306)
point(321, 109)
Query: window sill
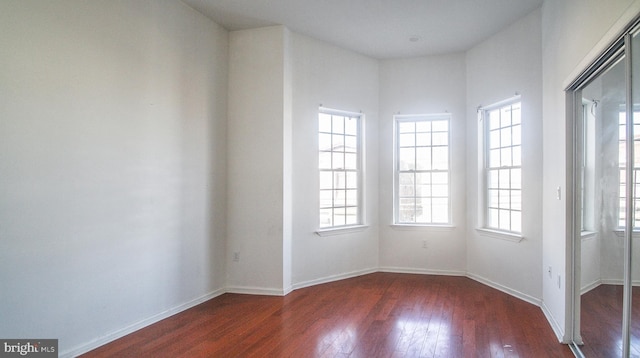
point(412, 227)
point(341, 230)
point(588, 235)
point(502, 235)
point(620, 232)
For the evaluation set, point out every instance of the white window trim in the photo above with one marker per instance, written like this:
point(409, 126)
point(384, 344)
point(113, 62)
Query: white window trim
point(362, 214)
point(482, 171)
point(396, 205)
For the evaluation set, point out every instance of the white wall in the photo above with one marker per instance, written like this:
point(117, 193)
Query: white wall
point(340, 79)
point(257, 130)
point(573, 32)
point(112, 166)
point(425, 85)
point(508, 63)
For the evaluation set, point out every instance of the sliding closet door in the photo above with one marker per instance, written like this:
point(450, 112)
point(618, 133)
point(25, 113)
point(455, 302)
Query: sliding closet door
point(633, 111)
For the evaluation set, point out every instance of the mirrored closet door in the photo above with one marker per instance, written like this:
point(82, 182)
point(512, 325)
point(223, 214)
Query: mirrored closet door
point(606, 157)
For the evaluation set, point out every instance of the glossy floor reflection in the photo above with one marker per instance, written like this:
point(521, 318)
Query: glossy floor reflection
point(376, 315)
point(601, 322)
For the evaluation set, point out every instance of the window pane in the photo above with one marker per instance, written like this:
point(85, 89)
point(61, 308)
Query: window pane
point(440, 190)
point(324, 161)
point(516, 200)
point(352, 216)
point(351, 161)
point(440, 158)
point(440, 126)
point(338, 160)
point(339, 198)
point(351, 126)
point(324, 141)
point(406, 127)
point(494, 139)
point(515, 113)
point(505, 116)
point(517, 156)
point(505, 199)
point(406, 210)
point(423, 139)
point(423, 126)
point(338, 124)
point(407, 139)
point(326, 217)
point(504, 220)
point(516, 180)
point(339, 216)
point(493, 179)
point(493, 198)
point(407, 159)
point(494, 158)
point(406, 190)
point(352, 180)
point(339, 180)
point(338, 143)
point(494, 119)
point(440, 178)
point(423, 158)
point(440, 213)
point(493, 218)
point(505, 136)
point(505, 157)
point(516, 221)
point(516, 136)
point(423, 210)
point(352, 197)
point(350, 144)
point(441, 138)
point(326, 180)
point(326, 198)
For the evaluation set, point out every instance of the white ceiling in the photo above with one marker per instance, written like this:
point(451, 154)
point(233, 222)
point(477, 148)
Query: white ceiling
point(377, 28)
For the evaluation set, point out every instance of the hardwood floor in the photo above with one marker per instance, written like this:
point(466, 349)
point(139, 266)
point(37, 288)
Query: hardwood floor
point(375, 315)
point(601, 322)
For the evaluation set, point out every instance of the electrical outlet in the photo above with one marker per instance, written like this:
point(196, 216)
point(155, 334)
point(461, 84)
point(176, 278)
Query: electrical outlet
point(424, 244)
point(236, 256)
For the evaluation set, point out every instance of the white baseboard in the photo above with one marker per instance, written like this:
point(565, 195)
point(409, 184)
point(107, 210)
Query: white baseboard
point(590, 286)
point(394, 269)
point(505, 289)
point(559, 332)
point(261, 291)
point(333, 278)
point(86, 347)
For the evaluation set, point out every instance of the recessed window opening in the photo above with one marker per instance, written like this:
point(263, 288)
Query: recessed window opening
point(422, 180)
point(503, 166)
point(340, 166)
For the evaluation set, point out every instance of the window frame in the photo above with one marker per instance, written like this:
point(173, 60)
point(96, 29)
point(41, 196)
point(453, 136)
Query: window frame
point(325, 230)
point(397, 119)
point(485, 171)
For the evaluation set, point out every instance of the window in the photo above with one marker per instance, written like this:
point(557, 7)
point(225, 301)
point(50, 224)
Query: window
point(502, 167)
point(422, 170)
point(622, 154)
point(340, 164)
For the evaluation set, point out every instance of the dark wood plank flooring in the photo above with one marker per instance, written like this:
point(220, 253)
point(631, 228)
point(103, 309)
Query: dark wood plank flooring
point(601, 322)
point(375, 315)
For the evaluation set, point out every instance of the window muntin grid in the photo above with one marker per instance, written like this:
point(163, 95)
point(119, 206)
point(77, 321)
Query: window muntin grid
point(503, 168)
point(422, 170)
point(339, 138)
point(622, 162)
